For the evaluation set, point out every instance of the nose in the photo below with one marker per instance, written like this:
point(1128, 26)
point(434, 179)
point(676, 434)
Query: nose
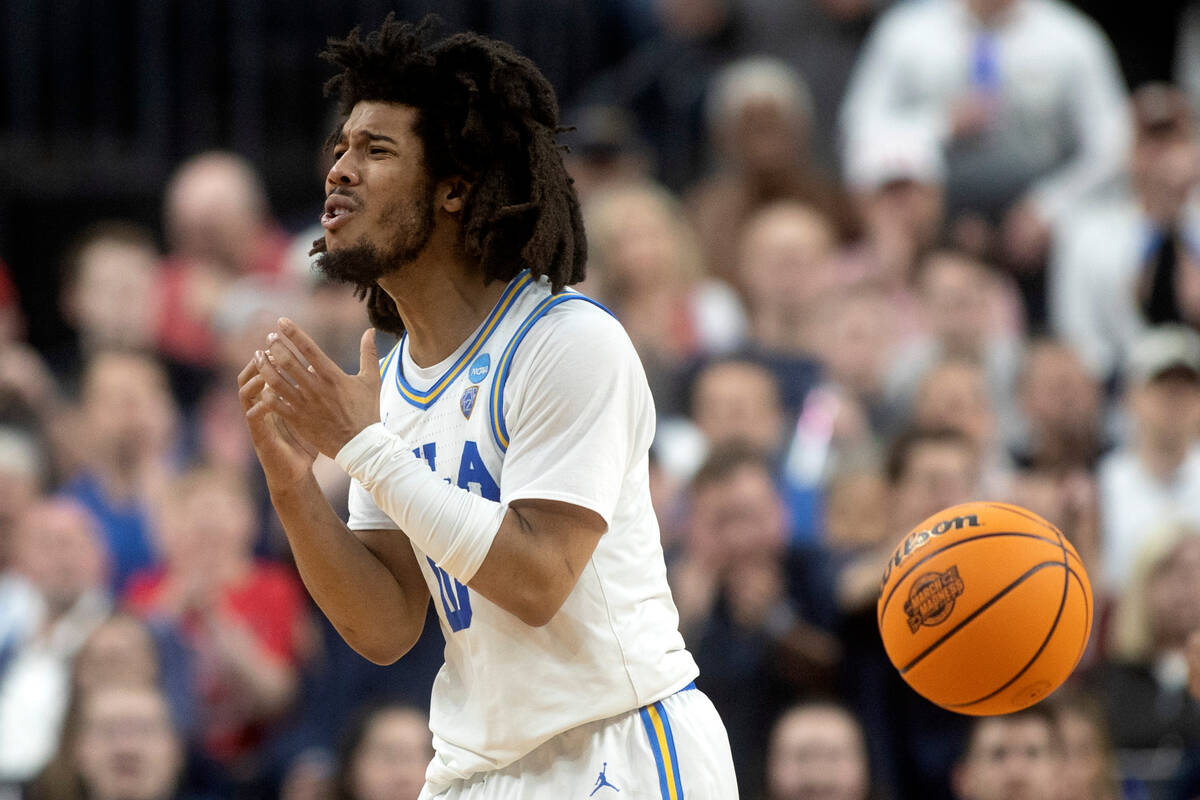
point(344, 171)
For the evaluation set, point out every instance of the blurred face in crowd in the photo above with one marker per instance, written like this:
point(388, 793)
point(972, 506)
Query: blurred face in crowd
point(785, 258)
point(57, 546)
point(390, 762)
point(854, 338)
point(1086, 772)
point(1166, 408)
point(954, 293)
point(1173, 594)
point(194, 538)
point(644, 242)
point(817, 753)
point(739, 401)
point(1059, 396)
point(937, 474)
point(954, 395)
point(856, 511)
point(127, 747)
point(20, 480)
point(215, 211)
point(113, 300)
point(1165, 160)
point(764, 135)
point(127, 407)
point(119, 652)
point(902, 219)
point(740, 517)
point(1010, 758)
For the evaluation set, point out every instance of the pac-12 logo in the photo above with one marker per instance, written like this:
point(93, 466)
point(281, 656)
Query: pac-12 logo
point(931, 598)
point(480, 368)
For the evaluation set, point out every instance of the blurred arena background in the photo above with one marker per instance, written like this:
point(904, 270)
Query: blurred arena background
point(877, 257)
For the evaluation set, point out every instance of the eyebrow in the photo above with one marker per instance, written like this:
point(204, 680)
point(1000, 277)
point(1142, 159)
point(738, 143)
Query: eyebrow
point(378, 137)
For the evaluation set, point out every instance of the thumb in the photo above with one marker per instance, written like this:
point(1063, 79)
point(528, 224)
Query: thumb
point(368, 360)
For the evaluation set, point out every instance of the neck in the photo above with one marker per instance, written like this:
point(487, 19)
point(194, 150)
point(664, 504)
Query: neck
point(442, 297)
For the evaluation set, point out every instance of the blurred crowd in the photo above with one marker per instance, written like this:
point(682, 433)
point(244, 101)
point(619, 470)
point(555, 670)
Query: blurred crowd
point(877, 258)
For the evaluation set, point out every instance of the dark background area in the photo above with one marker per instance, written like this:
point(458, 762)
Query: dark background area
point(101, 99)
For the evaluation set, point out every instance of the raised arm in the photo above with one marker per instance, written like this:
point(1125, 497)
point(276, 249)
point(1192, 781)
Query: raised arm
point(525, 557)
point(367, 582)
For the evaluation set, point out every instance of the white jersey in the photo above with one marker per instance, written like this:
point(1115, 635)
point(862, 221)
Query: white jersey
point(546, 400)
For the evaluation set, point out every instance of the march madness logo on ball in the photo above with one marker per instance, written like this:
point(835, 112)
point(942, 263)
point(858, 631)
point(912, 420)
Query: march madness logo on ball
point(932, 597)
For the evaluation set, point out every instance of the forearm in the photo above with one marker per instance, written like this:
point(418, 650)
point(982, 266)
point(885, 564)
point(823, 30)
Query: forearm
point(525, 559)
point(359, 594)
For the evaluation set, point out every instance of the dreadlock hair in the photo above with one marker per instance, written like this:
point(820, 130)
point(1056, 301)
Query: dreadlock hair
point(487, 114)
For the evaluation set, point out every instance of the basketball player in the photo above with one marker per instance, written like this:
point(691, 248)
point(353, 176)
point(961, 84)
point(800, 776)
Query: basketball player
point(507, 476)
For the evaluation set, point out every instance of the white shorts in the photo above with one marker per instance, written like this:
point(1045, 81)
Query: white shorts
point(675, 749)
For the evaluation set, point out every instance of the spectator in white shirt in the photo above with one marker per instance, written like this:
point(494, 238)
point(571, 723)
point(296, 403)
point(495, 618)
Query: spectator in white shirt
point(1115, 264)
point(1154, 479)
point(1025, 96)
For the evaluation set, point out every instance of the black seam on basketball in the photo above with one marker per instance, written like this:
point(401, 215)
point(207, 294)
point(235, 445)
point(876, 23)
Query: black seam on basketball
point(1087, 605)
point(991, 601)
point(1020, 512)
point(1062, 603)
point(1086, 633)
point(945, 547)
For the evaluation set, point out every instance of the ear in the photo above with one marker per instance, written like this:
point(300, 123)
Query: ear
point(452, 194)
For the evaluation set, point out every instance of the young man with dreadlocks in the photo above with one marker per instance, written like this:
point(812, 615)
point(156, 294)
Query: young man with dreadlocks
point(512, 448)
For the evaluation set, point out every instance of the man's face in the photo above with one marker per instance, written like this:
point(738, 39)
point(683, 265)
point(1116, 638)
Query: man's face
point(379, 208)
point(1167, 407)
point(740, 517)
point(391, 761)
point(1010, 759)
point(127, 747)
point(817, 754)
point(738, 401)
point(938, 475)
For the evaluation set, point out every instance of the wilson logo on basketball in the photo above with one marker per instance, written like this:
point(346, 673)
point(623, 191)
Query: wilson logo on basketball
point(931, 598)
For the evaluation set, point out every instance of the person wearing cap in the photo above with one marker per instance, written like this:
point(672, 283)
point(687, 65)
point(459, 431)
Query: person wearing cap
point(1024, 95)
point(1154, 478)
point(1117, 266)
point(897, 182)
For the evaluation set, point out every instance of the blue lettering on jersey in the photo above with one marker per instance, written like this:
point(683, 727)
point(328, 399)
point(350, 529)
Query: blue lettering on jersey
point(429, 453)
point(473, 475)
point(456, 600)
point(480, 367)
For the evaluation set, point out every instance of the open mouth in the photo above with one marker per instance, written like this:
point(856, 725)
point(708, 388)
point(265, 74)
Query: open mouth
point(338, 210)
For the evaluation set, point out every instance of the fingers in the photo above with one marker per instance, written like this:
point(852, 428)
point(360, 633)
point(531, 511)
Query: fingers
point(368, 359)
point(322, 364)
point(249, 391)
point(248, 372)
point(281, 354)
point(278, 384)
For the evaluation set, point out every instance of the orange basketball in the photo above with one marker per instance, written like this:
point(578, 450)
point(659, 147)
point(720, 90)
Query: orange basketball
point(985, 608)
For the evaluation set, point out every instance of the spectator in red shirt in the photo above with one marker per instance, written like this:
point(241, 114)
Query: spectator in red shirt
point(245, 621)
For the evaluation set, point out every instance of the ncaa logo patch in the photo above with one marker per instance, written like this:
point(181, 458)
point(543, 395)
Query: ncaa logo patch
point(932, 597)
point(480, 368)
point(466, 403)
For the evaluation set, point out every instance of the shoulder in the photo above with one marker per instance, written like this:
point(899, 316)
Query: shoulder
point(914, 17)
point(573, 329)
point(1066, 23)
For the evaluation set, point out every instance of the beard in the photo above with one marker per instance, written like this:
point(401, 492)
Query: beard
point(363, 263)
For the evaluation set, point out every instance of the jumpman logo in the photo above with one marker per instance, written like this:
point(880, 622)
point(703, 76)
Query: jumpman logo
point(602, 781)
